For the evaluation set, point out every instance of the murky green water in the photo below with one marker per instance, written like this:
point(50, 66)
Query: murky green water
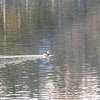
point(70, 30)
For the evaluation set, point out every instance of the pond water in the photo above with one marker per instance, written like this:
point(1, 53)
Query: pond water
point(69, 29)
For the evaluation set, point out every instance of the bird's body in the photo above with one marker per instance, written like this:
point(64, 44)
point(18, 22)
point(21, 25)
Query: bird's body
point(46, 55)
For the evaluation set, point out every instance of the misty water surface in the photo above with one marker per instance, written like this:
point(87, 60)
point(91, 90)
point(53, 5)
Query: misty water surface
point(70, 30)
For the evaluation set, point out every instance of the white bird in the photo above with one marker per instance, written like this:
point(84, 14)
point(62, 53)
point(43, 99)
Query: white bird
point(46, 55)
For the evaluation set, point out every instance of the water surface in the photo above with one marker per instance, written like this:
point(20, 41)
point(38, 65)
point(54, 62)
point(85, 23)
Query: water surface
point(69, 29)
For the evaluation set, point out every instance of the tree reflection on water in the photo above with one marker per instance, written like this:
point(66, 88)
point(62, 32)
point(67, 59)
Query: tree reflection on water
point(69, 29)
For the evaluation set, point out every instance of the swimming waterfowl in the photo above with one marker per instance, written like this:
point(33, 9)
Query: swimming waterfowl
point(46, 55)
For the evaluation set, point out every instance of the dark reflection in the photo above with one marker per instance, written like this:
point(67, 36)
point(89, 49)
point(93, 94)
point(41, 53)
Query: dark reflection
point(69, 29)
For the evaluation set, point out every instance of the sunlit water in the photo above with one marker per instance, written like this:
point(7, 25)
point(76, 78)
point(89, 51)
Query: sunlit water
point(69, 29)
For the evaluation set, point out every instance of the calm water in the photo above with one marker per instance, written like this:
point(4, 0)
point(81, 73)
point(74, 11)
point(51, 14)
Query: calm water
point(70, 30)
